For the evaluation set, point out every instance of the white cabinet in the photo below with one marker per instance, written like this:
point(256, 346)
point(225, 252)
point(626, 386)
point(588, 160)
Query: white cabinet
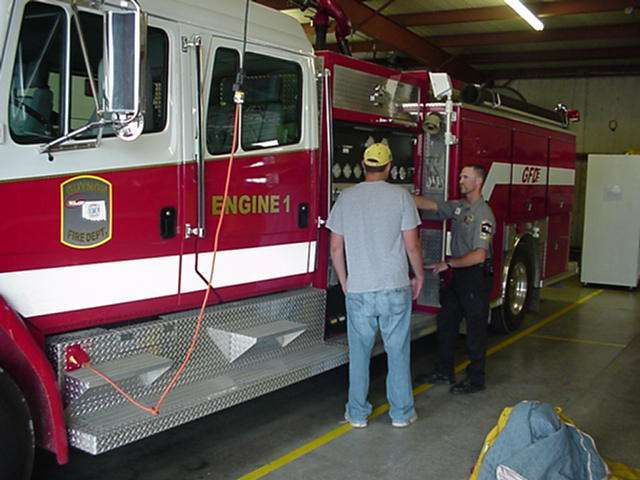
point(611, 244)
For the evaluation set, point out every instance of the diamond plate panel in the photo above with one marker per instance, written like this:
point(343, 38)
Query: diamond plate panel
point(431, 240)
point(433, 170)
point(434, 174)
point(147, 368)
point(169, 337)
point(234, 344)
point(352, 88)
point(119, 425)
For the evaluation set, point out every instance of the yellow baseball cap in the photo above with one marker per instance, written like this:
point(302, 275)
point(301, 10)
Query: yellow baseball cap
point(377, 155)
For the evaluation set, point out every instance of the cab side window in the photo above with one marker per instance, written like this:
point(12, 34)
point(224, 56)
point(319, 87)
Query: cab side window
point(272, 110)
point(36, 97)
point(221, 108)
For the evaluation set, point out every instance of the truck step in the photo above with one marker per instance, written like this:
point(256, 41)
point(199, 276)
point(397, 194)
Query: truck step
point(145, 368)
point(102, 430)
point(245, 349)
point(234, 344)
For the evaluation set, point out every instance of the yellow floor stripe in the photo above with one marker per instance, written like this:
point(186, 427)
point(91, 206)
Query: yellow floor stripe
point(342, 429)
point(579, 340)
point(298, 452)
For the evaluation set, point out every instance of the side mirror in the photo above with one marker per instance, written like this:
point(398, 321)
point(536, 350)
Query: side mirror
point(121, 104)
point(124, 63)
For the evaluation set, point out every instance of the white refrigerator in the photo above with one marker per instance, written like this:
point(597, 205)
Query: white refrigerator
point(611, 245)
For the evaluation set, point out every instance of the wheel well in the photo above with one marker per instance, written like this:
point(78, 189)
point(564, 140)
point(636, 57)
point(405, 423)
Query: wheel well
point(18, 434)
point(530, 247)
point(25, 362)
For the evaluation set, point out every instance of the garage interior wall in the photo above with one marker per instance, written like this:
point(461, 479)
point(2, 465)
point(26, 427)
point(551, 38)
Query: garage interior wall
point(608, 107)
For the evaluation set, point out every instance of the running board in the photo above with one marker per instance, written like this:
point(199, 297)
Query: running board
point(245, 349)
point(108, 428)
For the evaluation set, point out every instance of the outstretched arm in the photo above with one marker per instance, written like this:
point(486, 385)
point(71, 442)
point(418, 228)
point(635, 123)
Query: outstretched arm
point(423, 203)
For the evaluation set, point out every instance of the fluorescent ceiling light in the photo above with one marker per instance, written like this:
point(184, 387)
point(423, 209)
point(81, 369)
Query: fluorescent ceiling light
point(525, 13)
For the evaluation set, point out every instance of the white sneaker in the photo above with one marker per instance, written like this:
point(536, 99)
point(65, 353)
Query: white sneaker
point(356, 424)
point(405, 423)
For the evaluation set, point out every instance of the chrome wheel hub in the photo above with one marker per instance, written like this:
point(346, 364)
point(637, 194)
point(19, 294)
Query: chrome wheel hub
point(518, 288)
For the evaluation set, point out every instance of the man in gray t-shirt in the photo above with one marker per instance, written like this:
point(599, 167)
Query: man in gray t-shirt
point(375, 223)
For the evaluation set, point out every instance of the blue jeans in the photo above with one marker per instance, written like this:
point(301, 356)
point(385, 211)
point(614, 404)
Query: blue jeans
point(391, 311)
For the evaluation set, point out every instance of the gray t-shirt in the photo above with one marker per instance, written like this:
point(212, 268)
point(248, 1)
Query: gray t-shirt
point(371, 217)
point(472, 226)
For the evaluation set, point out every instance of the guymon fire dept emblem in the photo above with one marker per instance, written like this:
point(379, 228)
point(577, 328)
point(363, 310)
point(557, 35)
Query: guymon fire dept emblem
point(85, 211)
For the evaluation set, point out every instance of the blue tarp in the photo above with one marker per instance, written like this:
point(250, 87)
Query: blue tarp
point(535, 444)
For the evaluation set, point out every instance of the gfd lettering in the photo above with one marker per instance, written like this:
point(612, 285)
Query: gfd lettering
point(531, 174)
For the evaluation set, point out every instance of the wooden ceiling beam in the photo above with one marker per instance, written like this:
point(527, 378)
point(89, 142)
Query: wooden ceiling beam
point(485, 14)
point(553, 55)
point(630, 30)
point(566, 72)
point(399, 38)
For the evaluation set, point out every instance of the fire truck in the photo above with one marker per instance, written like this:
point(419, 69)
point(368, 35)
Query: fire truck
point(165, 177)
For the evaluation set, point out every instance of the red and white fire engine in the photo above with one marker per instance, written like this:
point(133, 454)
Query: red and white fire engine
point(125, 171)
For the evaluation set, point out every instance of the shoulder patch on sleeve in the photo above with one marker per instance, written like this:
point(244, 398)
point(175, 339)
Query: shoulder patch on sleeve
point(486, 230)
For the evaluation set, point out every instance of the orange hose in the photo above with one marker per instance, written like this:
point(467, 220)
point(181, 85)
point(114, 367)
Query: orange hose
point(119, 389)
point(196, 333)
point(155, 410)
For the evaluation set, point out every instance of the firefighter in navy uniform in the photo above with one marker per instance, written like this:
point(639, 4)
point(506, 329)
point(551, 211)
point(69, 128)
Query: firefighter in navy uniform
point(467, 295)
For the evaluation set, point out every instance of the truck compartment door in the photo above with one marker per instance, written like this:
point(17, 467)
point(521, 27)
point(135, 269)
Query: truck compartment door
point(267, 240)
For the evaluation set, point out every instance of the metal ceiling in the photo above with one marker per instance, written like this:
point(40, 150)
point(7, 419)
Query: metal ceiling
point(479, 40)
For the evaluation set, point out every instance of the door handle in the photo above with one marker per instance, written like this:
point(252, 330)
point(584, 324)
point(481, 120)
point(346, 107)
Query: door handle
point(168, 222)
point(303, 215)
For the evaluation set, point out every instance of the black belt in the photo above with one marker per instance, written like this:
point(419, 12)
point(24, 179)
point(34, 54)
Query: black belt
point(486, 267)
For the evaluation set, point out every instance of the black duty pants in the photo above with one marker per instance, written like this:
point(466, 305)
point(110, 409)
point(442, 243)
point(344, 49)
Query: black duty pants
point(466, 296)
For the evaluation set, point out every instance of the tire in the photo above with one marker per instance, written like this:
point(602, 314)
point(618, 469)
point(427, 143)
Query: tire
point(509, 316)
point(17, 442)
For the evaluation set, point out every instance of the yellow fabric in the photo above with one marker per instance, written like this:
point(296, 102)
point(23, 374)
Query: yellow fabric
point(377, 155)
point(489, 439)
point(618, 471)
point(563, 417)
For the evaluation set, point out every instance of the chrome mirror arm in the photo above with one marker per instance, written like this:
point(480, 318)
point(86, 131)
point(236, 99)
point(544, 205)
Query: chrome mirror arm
point(58, 141)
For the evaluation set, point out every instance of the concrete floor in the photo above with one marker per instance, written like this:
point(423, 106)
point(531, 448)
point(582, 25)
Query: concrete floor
point(585, 360)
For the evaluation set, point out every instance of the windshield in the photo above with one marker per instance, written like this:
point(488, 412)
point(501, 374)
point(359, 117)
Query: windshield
point(35, 99)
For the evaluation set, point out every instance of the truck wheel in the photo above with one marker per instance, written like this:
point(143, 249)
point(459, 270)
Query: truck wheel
point(509, 316)
point(17, 441)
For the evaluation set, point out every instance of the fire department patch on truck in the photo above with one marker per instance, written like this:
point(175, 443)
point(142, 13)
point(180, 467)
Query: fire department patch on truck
point(85, 212)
